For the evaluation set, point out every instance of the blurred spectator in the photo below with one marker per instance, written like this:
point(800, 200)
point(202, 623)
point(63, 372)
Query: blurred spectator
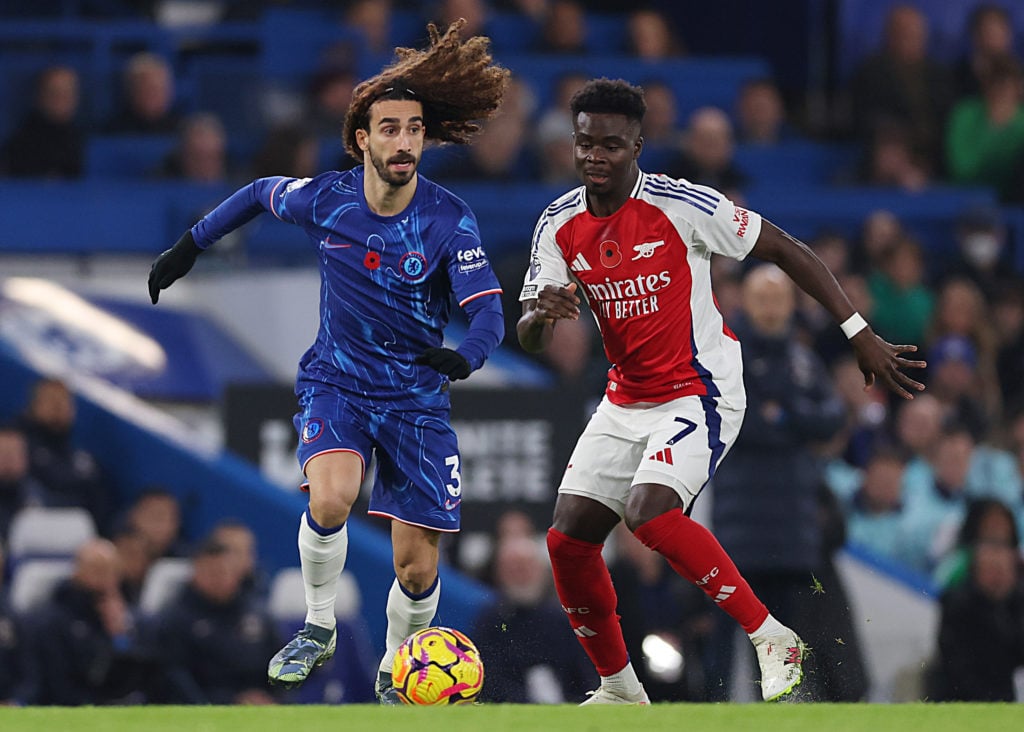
point(953, 379)
point(707, 154)
point(902, 84)
point(216, 639)
point(533, 9)
point(661, 133)
point(983, 250)
point(523, 632)
point(990, 35)
point(201, 154)
point(85, 646)
point(938, 491)
point(892, 160)
point(49, 142)
point(14, 651)
point(1008, 321)
point(156, 514)
point(372, 18)
point(666, 621)
point(880, 231)
point(564, 30)
point(981, 629)
point(148, 105)
point(962, 314)
point(919, 424)
point(818, 325)
point(330, 92)
point(135, 557)
point(727, 284)
point(761, 114)
point(987, 521)
point(985, 137)
point(69, 475)
point(17, 487)
point(502, 151)
point(903, 302)
point(866, 413)
point(241, 544)
point(555, 145)
point(291, 151)
point(651, 36)
point(765, 509)
point(446, 12)
point(872, 503)
point(554, 135)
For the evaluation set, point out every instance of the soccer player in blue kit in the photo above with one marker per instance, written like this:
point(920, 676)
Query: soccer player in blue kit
point(393, 248)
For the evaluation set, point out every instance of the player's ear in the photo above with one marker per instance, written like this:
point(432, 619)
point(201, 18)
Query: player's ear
point(638, 146)
point(362, 139)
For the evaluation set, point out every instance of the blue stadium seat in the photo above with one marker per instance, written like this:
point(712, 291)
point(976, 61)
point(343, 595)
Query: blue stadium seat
point(797, 162)
point(126, 156)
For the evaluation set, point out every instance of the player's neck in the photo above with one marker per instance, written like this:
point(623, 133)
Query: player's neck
point(607, 203)
point(385, 199)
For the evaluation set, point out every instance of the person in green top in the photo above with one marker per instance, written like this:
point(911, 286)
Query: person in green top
point(985, 136)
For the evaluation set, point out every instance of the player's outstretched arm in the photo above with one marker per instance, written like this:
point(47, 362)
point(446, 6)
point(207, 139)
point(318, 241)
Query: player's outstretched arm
point(877, 359)
point(537, 324)
point(172, 264)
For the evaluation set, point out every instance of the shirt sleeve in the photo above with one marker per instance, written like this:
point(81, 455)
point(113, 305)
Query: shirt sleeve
point(547, 265)
point(468, 266)
point(729, 230)
point(280, 195)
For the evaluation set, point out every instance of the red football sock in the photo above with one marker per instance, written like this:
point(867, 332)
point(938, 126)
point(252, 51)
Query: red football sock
point(588, 598)
point(695, 553)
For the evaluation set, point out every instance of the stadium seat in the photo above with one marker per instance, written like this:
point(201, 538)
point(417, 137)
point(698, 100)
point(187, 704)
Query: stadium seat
point(163, 582)
point(33, 582)
point(38, 532)
point(127, 156)
point(287, 596)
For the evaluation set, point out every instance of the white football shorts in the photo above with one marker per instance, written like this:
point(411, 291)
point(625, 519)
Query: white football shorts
point(678, 444)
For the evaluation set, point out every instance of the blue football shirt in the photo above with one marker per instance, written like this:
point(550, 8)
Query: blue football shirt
point(386, 282)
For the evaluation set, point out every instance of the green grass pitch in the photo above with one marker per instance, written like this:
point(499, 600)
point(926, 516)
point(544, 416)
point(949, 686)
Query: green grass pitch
point(522, 718)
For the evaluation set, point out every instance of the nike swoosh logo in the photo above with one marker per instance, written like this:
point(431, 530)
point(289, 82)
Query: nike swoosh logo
point(331, 245)
point(448, 505)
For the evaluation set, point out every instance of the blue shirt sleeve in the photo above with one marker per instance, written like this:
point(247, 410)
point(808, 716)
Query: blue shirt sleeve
point(263, 194)
point(486, 329)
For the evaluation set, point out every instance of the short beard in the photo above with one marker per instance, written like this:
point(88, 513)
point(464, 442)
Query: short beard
point(393, 179)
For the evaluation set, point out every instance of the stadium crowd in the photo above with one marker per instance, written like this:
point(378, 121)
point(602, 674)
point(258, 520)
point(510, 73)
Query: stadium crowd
point(933, 486)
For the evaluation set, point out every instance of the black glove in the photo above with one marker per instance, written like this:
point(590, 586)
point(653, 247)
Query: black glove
point(172, 264)
point(446, 361)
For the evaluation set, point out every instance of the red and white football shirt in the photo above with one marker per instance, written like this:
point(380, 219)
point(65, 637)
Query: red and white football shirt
point(645, 272)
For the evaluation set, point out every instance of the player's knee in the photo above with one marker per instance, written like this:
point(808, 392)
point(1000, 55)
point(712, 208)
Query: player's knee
point(329, 509)
point(415, 577)
point(648, 501)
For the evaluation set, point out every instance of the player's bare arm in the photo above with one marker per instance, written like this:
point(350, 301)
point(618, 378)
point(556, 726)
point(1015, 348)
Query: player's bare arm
point(537, 324)
point(876, 358)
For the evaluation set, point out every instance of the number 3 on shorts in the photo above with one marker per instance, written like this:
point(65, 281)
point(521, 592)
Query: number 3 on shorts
point(690, 427)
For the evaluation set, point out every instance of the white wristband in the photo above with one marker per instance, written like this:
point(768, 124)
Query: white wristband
point(853, 325)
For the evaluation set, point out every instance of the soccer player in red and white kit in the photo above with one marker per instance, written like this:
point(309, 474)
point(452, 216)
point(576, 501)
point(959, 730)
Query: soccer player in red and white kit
point(638, 247)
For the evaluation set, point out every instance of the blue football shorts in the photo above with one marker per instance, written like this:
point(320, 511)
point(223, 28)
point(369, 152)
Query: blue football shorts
point(418, 478)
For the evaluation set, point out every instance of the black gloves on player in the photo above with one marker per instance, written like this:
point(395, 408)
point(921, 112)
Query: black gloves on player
point(446, 361)
point(172, 264)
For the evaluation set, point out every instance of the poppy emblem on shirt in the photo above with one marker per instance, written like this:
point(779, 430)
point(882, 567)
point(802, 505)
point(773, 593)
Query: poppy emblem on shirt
point(371, 260)
point(312, 430)
point(611, 254)
point(412, 265)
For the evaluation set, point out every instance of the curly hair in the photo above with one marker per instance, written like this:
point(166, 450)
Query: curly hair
point(456, 82)
point(607, 96)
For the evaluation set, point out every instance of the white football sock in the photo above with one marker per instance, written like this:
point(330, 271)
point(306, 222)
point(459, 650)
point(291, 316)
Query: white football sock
point(769, 627)
point(623, 682)
point(322, 557)
point(406, 616)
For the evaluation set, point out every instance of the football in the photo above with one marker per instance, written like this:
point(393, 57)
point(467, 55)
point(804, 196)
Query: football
point(437, 666)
